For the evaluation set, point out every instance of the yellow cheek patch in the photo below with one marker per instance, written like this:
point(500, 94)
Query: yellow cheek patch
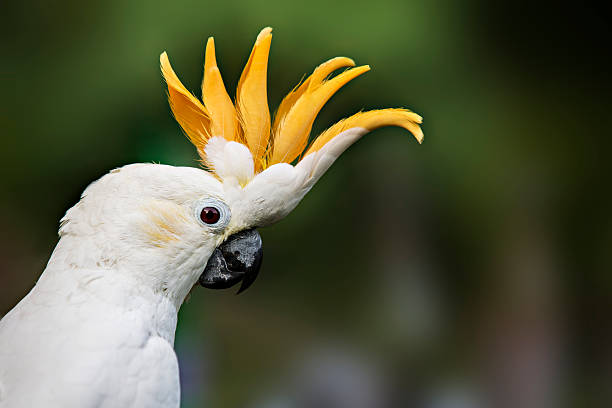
point(164, 223)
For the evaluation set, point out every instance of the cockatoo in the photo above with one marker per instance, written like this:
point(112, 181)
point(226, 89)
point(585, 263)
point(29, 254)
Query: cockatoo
point(97, 329)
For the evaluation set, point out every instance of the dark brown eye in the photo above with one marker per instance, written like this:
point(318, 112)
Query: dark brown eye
point(210, 215)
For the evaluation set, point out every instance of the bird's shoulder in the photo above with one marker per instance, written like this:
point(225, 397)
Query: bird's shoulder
point(65, 349)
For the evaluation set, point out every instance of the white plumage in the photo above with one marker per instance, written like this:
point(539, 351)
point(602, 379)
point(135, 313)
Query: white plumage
point(97, 330)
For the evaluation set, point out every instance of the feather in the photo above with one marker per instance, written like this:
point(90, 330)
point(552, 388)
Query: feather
point(294, 129)
point(320, 73)
point(252, 99)
point(187, 109)
point(229, 159)
point(247, 121)
point(371, 120)
point(215, 97)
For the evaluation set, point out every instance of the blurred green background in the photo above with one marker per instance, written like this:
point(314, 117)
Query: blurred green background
point(470, 271)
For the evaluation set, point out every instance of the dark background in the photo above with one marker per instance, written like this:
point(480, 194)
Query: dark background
point(471, 271)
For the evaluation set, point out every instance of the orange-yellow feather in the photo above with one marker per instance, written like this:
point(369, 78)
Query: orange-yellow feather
point(319, 74)
point(187, 109)
point(216, 100)
point(249, 121)
point(252, 98)
point(293, 132)
point(371, 120)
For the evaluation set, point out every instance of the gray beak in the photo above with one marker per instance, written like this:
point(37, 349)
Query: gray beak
point(237, 259)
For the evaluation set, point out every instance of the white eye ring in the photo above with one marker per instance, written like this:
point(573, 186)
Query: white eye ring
point(224, 213)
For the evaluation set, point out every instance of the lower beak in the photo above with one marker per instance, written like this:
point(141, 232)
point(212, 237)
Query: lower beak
point(237, 259)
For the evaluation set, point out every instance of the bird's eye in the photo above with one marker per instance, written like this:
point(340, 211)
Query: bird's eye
point(210, 215)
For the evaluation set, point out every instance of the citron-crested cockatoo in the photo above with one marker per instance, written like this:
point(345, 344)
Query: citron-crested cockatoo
point(97, 329)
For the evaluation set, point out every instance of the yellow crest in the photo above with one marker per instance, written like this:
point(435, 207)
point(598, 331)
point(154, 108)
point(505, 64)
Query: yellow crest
point(248, 120)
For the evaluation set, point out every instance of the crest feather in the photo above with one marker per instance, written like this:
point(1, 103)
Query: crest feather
point(371, 120)
point(187, 109)
point(294, 128)
point(242, 130)
point(252, 98)
point(222, 112)
point(323, 71)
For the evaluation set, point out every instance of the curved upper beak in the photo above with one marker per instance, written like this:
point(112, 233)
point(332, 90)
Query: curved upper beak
point(237, 259)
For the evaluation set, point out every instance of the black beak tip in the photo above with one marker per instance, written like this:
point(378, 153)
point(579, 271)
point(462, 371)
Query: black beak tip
point(249, 278)
point(243, 287)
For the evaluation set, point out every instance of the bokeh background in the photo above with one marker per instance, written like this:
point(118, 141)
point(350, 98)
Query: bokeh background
point(471, 271)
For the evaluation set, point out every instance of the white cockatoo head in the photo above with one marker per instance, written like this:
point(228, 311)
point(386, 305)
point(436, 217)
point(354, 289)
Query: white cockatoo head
point(184, 224)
